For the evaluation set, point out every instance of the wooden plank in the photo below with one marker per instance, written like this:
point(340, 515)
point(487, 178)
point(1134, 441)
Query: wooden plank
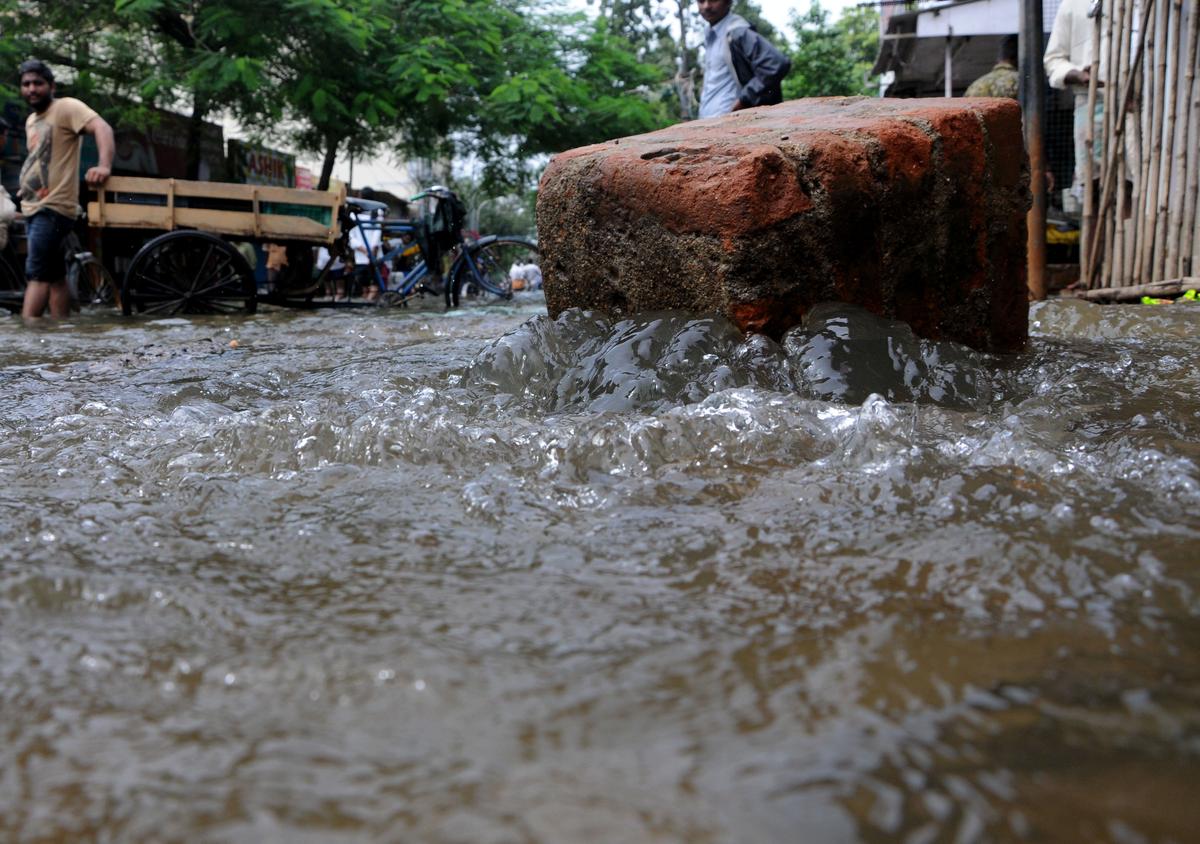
point(296, 196)
point(135, 184)
point(1133, 293)
point(131, 216)
point(272, 226)
point(223, 190)
point(273, 223)
point(233, 223)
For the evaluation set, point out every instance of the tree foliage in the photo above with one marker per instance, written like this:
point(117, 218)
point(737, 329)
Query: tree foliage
point(500, 79)
point(832, 59)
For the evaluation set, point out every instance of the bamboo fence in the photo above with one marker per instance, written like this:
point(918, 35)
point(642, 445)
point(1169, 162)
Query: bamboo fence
point(1141, 226)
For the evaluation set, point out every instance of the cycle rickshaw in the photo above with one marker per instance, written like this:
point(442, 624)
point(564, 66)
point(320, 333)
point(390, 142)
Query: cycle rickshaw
point(187, 260)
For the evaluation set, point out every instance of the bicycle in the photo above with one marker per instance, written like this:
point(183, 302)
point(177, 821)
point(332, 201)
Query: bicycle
point(87, 278)
point(478, 271)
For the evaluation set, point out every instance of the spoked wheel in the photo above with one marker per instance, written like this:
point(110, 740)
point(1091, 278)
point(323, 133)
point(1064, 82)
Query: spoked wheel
point(188, 272)
point(483, 276)
point(96, 285)
point(12, 284)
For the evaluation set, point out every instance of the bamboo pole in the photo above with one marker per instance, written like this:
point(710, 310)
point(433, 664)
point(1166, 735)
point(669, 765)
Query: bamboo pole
point(1156, 148)
point(1110, 46)
point(1117, 275)
point(1137, 127)
point(1089, 167)
point(1146, 77)
point(1132, 293)
point(1188, 230)
point(1178, 170)
point(1171, 97)
point(1110, 152)
point(1110, 231)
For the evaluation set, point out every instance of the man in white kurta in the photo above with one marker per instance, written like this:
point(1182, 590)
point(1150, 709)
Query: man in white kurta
point(1068, 63)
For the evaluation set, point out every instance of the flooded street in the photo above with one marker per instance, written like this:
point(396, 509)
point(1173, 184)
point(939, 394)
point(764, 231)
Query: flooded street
point(381, 576)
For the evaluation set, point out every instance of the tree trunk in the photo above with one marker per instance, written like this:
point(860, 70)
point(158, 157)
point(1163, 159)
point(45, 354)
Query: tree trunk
point(195, 136)
point(684, 80)
point(327, 163)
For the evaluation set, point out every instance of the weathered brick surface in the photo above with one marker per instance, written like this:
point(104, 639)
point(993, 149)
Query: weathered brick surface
point(914, 209)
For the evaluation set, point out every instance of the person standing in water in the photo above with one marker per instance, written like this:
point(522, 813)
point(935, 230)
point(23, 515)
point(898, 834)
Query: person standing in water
point(49, 185)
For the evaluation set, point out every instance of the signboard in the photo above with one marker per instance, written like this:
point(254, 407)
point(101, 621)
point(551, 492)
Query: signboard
point(255, 165)
point(161, 149)
point(305, 178)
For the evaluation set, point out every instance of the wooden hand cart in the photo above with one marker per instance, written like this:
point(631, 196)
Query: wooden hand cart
point(191, 265)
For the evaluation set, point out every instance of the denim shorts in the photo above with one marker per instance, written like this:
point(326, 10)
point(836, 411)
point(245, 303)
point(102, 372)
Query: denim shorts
point(45, 232)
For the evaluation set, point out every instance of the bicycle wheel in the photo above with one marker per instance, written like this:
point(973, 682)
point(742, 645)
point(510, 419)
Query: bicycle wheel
point(188, 272)
point(12, 284)
point(96, 285)
point(482, 275)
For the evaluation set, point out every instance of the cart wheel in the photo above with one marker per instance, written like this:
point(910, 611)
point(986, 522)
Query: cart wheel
point(188, 272)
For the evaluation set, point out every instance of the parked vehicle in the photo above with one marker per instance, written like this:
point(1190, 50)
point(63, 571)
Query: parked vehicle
point(191, 263)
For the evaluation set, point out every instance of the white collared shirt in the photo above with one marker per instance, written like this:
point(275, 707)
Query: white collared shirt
point(721, 87)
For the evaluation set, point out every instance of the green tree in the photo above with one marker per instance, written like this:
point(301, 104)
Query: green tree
point(564, 82)
point(859, 27)
point(493, 212)
point(499, 79)
point(832, 59)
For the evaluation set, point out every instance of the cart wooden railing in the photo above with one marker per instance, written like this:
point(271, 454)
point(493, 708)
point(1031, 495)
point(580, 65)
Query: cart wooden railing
point(233, 210)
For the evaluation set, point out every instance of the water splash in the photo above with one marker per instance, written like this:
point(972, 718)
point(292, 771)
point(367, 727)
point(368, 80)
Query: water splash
point(654, 361)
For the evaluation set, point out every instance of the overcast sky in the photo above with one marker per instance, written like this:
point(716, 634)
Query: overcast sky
point(777, 11)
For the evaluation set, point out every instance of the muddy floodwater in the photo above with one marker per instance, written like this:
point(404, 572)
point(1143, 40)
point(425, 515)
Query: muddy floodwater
point(488, 578)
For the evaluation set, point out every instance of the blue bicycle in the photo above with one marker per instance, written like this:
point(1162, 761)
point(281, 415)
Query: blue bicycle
point(444, 263)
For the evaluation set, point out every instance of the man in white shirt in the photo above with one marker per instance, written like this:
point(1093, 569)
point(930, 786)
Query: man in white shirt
point(741, 68)
point(1068, 63)
point(365, 241)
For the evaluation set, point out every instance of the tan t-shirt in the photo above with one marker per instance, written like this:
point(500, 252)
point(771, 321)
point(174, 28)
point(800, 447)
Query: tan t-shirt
point(50, 175)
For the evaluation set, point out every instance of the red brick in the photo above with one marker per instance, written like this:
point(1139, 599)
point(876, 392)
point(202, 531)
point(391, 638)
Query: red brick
point(913, 209)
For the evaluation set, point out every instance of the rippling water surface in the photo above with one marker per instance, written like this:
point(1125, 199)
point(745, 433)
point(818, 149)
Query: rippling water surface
point(352, 576)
